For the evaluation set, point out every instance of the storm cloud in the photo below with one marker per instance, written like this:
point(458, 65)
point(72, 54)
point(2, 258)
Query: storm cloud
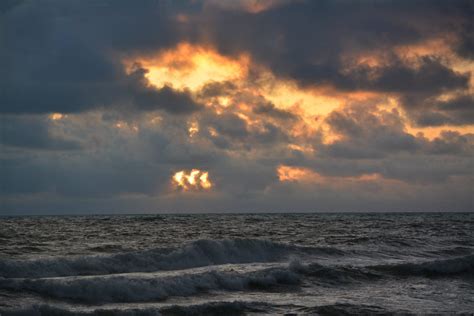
point(285, 105)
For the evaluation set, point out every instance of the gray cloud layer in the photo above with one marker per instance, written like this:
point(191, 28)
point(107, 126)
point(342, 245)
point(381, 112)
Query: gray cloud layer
point(66, 57)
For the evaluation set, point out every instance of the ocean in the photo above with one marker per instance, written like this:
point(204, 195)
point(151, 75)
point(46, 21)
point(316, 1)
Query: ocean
point(238, 264)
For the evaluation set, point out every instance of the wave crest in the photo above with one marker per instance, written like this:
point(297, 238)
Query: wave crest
point(194, 254)
point(151, 287)
point(198, 253)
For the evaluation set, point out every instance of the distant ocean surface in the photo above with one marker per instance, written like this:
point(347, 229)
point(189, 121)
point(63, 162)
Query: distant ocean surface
point(294, 264)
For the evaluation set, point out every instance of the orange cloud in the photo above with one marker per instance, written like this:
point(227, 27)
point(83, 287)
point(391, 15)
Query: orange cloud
point(435, 131)
point(192, 180)
point(193, 129)
point(306, 175)
point(57, 116)
point(191, 66)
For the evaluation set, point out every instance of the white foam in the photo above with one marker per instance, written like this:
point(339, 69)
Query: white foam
point(194, 254)
point(150, 286)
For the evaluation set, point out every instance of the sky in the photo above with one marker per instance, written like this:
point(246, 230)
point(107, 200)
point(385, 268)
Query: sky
point(168, 106)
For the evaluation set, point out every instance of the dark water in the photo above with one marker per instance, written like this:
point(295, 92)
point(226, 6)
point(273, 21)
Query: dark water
point(305, 264)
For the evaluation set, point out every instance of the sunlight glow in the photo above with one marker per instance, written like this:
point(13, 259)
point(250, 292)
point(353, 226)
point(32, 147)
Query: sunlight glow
point(56, 116)
point(290, 173)
point(192, 180)
point(193, 129)
point(124, 126)
point(190, 66)
point(306, 175)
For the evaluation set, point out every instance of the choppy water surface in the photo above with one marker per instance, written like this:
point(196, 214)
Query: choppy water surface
point(304, 264)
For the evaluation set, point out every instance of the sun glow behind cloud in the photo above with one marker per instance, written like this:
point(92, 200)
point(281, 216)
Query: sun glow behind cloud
point(193, 129)
point(226, 88)
point(306, 175)
point(190, 66)
point(192, 180)
point(242, 86)
point(57, 116)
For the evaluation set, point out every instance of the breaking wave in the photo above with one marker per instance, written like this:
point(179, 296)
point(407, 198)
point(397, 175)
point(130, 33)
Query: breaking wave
point(159, 286)
point(151, 287)
point(144, 287)
point(194, 254)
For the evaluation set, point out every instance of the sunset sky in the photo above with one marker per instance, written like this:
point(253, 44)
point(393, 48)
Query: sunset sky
point(228, 105)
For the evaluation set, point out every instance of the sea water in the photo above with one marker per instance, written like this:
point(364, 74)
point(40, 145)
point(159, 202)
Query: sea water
point(237, 264)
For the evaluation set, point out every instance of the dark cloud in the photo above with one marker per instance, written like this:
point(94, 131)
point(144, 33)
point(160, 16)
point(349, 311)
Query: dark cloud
point(235, 133)
point(20, 177)
point(64, 56)
point(147, 97)
point(65, 176)
point(123, 137)
point(215, 89)
point(32, 133)
point(457, 111)
point(270, 110)
point(315, 42)
point(8, 4)
point(368, 134)
point(452, 143)
point(309, 43)
point(375, 142)
point(423, 169)
point(465, 46)
point(430, 76)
